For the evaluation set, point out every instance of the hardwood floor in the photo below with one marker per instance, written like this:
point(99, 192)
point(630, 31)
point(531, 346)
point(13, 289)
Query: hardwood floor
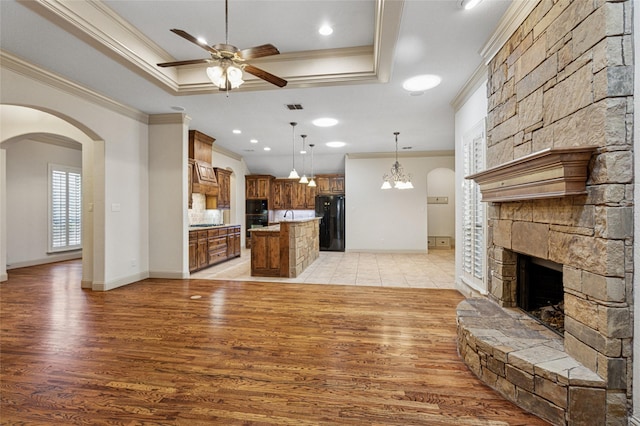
point(242, 353)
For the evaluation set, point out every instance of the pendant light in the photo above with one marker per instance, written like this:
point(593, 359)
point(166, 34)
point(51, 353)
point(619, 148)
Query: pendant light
point(396, 176)
point(303, 179)
point(293, 174)
point(312, 182)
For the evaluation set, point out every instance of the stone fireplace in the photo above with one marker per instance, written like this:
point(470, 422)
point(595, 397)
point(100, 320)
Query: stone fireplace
point(563, 80)
point(540, 292)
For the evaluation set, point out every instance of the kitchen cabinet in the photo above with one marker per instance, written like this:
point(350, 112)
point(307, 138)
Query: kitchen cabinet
point(265, 254)
point(211, 246)
point(193, 251)
point(281, 194)
point(217, 239)
point(258, 187)
point(224, 188)
point(330, 184)
point(288, 194)
point(202, 250)
point(233, 242)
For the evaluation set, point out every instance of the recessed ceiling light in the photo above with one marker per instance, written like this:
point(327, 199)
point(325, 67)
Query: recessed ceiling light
point(266, 148)
point(325, 30)
point(469, 4)
point(325, 122)
point(237, 131)
point(254, 141)
point(335, 144)
point(177, 108)
point(420, 83)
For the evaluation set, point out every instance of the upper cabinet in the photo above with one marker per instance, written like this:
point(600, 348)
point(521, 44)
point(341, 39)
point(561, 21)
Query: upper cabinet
point(258, 187)
point(203, 177)
point(281, 194)
point(224, 188)
point(332, 184)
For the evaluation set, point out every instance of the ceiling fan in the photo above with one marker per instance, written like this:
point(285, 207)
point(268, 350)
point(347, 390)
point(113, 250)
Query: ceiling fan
point(228, 60)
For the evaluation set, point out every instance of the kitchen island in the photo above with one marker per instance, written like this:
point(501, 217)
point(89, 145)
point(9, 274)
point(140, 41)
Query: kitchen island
point(285, 249)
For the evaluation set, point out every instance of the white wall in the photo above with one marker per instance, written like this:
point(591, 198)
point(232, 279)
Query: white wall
point(168, 220)
point(442, 218)
point(387, 220)
point(473, 111)
point(121, 174)
point(27, 198)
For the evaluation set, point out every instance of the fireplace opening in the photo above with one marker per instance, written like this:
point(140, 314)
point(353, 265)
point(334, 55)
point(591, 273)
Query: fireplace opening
point(540, 292)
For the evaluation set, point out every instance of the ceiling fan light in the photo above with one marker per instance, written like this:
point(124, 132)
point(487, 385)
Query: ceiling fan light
point(216, 75)
point(234, 74)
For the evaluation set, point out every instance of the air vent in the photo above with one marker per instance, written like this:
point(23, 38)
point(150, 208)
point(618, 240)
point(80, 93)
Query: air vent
point(294, 106)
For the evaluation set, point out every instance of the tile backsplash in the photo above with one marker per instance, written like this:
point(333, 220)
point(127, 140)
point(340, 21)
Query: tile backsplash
point(199, 214)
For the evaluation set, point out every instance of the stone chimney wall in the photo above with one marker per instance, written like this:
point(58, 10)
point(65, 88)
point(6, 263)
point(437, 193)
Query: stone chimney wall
point(565, 78)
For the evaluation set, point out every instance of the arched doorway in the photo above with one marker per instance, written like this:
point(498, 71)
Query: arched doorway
point(22, 122)
point(441, 206)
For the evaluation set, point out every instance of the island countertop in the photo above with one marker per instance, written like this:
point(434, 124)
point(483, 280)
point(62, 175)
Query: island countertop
point(284, 249)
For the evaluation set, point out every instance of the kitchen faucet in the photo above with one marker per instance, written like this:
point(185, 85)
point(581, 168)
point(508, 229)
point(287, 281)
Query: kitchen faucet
point(285, 214)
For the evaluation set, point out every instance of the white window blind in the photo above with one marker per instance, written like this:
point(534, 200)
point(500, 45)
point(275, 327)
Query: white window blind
point(473, 250)
point(65, 208)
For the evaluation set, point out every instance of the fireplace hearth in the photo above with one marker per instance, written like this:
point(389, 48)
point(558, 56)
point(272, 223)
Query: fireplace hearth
point(539, 291)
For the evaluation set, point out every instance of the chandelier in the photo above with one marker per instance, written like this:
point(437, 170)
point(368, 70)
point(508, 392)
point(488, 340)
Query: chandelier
point(396, 176)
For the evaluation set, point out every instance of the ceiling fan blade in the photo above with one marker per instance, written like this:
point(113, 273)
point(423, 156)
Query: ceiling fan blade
point(265, 76)
point(259, 51)
point(194, 40)
point(189, 62)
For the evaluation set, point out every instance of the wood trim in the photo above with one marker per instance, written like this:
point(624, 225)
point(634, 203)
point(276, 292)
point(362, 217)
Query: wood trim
point(550, 173)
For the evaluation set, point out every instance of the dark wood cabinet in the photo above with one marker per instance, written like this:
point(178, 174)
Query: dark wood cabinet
point(265, 254)
point(281, 194)
point(311, 197)
point(211, 246)
point(202, 250)
point(193, 251)
point(224, 188)
point(258, 187)
point(332, 184)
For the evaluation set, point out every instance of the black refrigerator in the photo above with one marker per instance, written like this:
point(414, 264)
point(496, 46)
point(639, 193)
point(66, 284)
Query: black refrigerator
point(331, 209)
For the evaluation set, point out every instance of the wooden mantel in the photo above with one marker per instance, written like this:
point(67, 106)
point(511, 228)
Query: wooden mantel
point(550, 173)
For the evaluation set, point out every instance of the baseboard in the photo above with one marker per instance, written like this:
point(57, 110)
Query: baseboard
point(169, 275)
point(4, 277)
point(382, 251)
point(110, 285)
point(49, 259)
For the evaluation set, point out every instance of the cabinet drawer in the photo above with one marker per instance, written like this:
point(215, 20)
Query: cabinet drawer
point(443, 242)
point(431, 242)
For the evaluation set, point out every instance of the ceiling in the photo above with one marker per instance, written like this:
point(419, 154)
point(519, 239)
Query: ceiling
point(354, 75)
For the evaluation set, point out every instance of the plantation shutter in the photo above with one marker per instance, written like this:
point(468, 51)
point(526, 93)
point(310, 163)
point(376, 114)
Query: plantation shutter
point(65, 208)
point(473, 244)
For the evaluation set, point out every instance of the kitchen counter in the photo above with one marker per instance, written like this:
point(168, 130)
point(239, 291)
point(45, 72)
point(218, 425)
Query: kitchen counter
point(209, 245)
point(285, 249)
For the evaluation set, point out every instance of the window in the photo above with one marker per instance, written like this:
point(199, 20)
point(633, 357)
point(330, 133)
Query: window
point(65, 208)
point(473, 211)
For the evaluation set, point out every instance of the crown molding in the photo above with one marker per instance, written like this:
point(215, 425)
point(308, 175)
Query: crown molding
point(479, 76)
point(226, 152)
point(100, 26)
point(415, 154)
point(509, 23)
point(26, 69)
point(169, 118)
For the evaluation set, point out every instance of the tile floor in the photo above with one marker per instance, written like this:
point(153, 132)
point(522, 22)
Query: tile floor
point(432, 270)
